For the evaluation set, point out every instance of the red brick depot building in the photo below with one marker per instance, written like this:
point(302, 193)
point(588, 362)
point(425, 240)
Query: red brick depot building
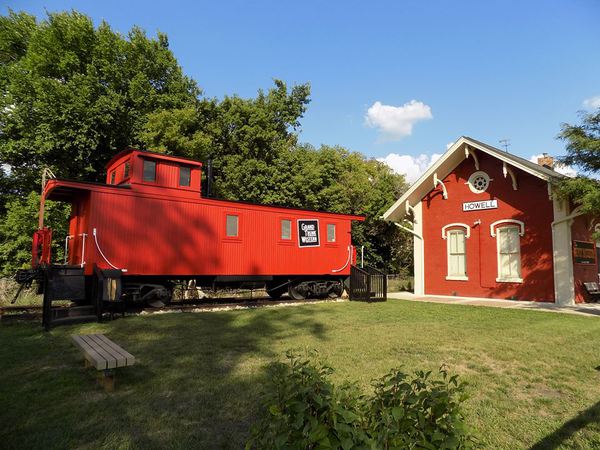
point(488, 224)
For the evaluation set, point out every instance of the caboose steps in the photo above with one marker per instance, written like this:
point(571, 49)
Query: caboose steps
point(65, 283)
point(72, 311)
point(73, 320)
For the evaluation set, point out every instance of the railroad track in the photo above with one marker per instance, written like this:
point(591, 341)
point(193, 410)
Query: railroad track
point(15, 313)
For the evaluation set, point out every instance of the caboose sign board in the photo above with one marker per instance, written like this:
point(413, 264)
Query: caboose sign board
point(308, 233)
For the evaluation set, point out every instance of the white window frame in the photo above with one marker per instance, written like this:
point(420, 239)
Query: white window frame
point(281, 229)
point(237, 225)
point(447, 236)
point(518, 226)
point(333, 227)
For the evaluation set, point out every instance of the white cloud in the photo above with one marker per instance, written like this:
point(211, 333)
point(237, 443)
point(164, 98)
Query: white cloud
point(592, 102)
point(449, 144)
point(412, 167)
point(396, 122)
point(560, 168)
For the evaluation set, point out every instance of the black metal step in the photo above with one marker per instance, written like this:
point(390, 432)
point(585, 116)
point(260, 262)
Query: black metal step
point(73, 320)
point(71, 311)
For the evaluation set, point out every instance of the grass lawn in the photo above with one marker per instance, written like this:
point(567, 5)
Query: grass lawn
point(533, 377)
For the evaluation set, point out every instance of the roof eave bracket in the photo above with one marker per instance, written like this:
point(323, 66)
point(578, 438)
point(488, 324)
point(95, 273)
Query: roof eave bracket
point(508, 171)
point(471, 152)
point(437, 181)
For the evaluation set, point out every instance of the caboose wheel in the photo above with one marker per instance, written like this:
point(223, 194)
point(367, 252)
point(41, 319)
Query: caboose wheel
point(156, 296)
point(298, 291)
point(276, 293)
point(336, 290)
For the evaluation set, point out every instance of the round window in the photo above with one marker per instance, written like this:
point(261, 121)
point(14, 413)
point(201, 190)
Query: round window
point(479, 182)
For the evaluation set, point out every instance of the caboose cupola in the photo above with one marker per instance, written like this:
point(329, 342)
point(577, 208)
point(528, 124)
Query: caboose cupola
point(148, 170)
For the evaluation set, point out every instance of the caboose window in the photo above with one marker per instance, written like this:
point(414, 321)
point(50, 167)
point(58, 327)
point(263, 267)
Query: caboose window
point(113, 176)
point(286, 229)
point(184, 176)
point(330, 232)
point(126, 170)
point(149, 170)
point(231, 226)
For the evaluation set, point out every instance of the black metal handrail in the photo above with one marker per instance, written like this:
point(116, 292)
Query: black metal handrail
point(367, 284)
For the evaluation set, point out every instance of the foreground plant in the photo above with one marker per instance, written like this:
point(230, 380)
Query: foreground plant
point(303, 410)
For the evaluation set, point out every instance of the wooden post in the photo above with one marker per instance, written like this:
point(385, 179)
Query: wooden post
point(106, 379)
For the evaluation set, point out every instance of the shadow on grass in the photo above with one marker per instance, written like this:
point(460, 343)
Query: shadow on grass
point(590, 416)
point(196, 381)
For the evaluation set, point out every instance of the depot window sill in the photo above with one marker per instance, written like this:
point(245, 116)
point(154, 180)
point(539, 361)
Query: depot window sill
point(457, 278)
point(509, 280)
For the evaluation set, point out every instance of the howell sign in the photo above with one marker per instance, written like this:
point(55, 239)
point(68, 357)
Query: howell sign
point(476, 206)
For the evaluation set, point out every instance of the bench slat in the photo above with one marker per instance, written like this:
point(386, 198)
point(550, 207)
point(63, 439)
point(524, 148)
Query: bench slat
point(130, 359)
point(102, 352)
point(111, 363)
point(119, 359)
point(97, 360)
point(115, 360)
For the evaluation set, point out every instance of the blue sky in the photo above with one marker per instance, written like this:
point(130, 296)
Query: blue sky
point(486, 69)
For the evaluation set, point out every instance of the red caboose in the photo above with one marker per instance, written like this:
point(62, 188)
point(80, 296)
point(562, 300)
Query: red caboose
point(150, 224)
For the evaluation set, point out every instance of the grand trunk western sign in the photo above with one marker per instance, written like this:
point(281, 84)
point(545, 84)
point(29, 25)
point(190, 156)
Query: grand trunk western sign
point(308, 233)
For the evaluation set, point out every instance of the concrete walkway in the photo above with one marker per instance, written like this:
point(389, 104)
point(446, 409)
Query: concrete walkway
point(585, 309)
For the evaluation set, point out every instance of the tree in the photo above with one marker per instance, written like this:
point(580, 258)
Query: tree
point(244, 137)
point(18, 226)
point(72, 95)
point(254, 146)
point(583, 150)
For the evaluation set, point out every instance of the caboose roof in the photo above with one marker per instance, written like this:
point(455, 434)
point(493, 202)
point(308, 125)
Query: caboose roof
point(457, 153)
point(154, 155)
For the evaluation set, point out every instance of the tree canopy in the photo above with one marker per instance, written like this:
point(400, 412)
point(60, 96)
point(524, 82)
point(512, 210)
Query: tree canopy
point(583, 151)
point(73, 94)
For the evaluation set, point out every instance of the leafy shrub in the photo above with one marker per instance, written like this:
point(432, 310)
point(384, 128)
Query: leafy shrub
point(304, 410)
point(417, 413)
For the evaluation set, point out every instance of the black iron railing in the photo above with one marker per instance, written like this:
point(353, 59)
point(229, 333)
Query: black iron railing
point(367, 284)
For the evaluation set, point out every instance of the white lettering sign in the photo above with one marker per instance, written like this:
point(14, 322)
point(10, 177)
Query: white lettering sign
point(485, 204)
point(308, 233)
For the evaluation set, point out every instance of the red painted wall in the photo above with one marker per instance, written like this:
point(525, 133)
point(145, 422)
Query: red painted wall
point(582, 230)
point(530, 204)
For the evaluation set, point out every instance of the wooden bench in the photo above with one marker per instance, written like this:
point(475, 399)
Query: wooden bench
point(592, 290)
point(103, 354)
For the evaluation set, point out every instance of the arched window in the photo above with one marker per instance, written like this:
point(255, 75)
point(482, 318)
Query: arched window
point(456, 235)
point(508, 239)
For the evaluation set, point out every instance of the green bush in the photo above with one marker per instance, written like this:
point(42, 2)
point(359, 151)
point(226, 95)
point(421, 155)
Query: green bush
point(302, 409)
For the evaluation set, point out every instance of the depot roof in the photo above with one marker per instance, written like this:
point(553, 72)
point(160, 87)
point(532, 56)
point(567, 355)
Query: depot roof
point(463, 148)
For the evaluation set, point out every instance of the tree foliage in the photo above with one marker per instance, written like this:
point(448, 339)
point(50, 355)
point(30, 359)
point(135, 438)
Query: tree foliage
point(257, 158)
point(19, 224)
point(72, 94)
point(583, 151)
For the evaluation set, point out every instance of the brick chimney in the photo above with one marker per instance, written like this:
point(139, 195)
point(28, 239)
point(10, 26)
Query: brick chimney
point(546, 160)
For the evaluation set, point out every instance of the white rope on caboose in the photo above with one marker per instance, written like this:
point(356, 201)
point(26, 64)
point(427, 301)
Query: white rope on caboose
point(102, 254)
point(347, 261)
